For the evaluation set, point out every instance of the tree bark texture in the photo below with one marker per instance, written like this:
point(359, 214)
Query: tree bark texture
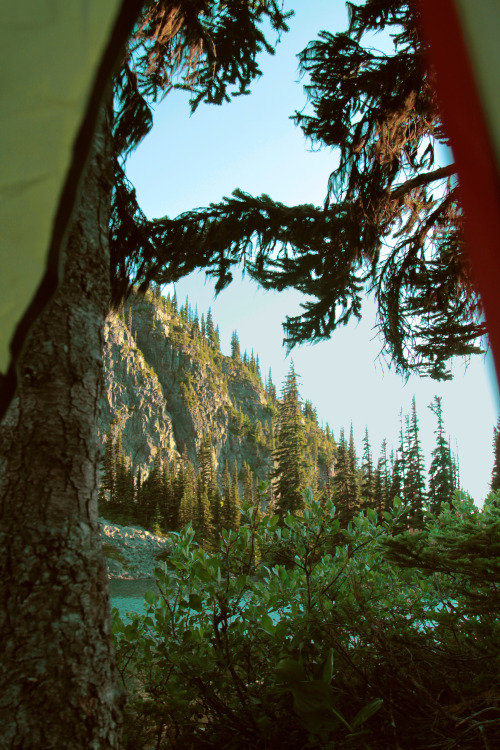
point(58, 684)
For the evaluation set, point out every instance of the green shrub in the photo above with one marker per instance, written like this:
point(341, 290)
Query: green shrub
point(375, 643)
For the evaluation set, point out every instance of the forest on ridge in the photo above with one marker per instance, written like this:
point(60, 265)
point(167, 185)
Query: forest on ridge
point(298, 453)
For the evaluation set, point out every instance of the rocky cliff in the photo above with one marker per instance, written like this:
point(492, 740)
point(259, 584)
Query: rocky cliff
point(168, 385)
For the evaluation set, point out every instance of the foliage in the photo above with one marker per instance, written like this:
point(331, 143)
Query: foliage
point(379, 642)
point(205, 46)
point(391, 223)
point(495, 474)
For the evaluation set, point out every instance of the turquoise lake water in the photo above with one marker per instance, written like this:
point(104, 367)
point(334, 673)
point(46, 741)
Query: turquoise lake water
point(128, 596)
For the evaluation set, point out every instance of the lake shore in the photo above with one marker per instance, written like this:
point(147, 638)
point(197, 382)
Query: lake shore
point(131, 552)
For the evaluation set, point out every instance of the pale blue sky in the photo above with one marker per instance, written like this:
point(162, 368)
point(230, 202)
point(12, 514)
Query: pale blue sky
point(252, 144)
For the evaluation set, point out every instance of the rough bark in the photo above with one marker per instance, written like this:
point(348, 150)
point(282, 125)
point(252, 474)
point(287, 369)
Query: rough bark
point(58, 684)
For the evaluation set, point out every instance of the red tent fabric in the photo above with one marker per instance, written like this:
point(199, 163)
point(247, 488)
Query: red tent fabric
point(463, 108)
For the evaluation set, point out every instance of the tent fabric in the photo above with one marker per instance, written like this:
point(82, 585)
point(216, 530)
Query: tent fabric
point(466, 57)
point(56, 58)
point(480, 21)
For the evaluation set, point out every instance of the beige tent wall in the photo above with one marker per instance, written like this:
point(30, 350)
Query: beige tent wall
point(50, 51)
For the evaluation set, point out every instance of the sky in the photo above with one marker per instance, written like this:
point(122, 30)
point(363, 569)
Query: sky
point(252, 144)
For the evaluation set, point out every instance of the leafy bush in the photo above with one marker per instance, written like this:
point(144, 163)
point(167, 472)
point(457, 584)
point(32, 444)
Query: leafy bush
point(379, 642)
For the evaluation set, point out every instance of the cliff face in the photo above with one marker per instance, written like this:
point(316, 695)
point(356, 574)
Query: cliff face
point(167, 386)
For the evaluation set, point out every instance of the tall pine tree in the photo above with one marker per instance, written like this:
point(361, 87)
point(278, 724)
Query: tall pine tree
point(441, 480)
point(289, 471)
point(367, 475)
point(414, 486)
point(341, 482)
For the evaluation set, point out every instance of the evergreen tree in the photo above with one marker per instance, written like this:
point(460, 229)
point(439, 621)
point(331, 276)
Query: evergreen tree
point(414, 487)
point(342, 482)
point(235, 347)
point(289, 455)
point(354, 500)
point(310, 412)
point(455, 467)
point(235, 503)
point(149, 499)
point(441, 480)
point(210, 332)
point(382, 481)
point(196, 327)
point(399, 463)
point(230, 499)
point(203, 519)
point(397, 476)
point(248, 484)
point(168, 506)
point(270, 388)
point(217, 339)
point(183, 313)
point(186, 491)
point(257, 369)
point(207, 517)
point(495, 474)
point(367, 475)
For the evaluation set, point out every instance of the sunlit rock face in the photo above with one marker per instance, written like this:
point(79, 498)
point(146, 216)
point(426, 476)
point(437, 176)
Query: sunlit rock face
point(166, 388)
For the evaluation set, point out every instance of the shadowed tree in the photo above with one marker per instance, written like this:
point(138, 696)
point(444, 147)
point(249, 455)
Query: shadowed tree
point(495, 474)
point(54, 628)
point(391, 223)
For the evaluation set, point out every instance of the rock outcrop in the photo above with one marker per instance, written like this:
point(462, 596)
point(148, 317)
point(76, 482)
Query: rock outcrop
point(130, 551)
point(166, 388)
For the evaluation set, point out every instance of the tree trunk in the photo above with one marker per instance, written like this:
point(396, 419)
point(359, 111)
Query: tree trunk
point(58, 683)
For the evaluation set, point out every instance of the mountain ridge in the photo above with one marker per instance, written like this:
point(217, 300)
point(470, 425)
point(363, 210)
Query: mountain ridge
point(168, 386)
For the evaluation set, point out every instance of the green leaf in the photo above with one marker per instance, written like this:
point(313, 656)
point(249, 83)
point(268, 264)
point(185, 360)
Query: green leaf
point(195, 603)
point(130, 632)
point(290, 671)
point(366, 712)
point(117, 623)
point(241, 582)
point(328, 668)
point(150, 597)
point(267, 624)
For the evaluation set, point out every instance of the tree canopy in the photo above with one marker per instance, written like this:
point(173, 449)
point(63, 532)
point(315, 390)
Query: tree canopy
point(391, 224)
point(209, 48)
